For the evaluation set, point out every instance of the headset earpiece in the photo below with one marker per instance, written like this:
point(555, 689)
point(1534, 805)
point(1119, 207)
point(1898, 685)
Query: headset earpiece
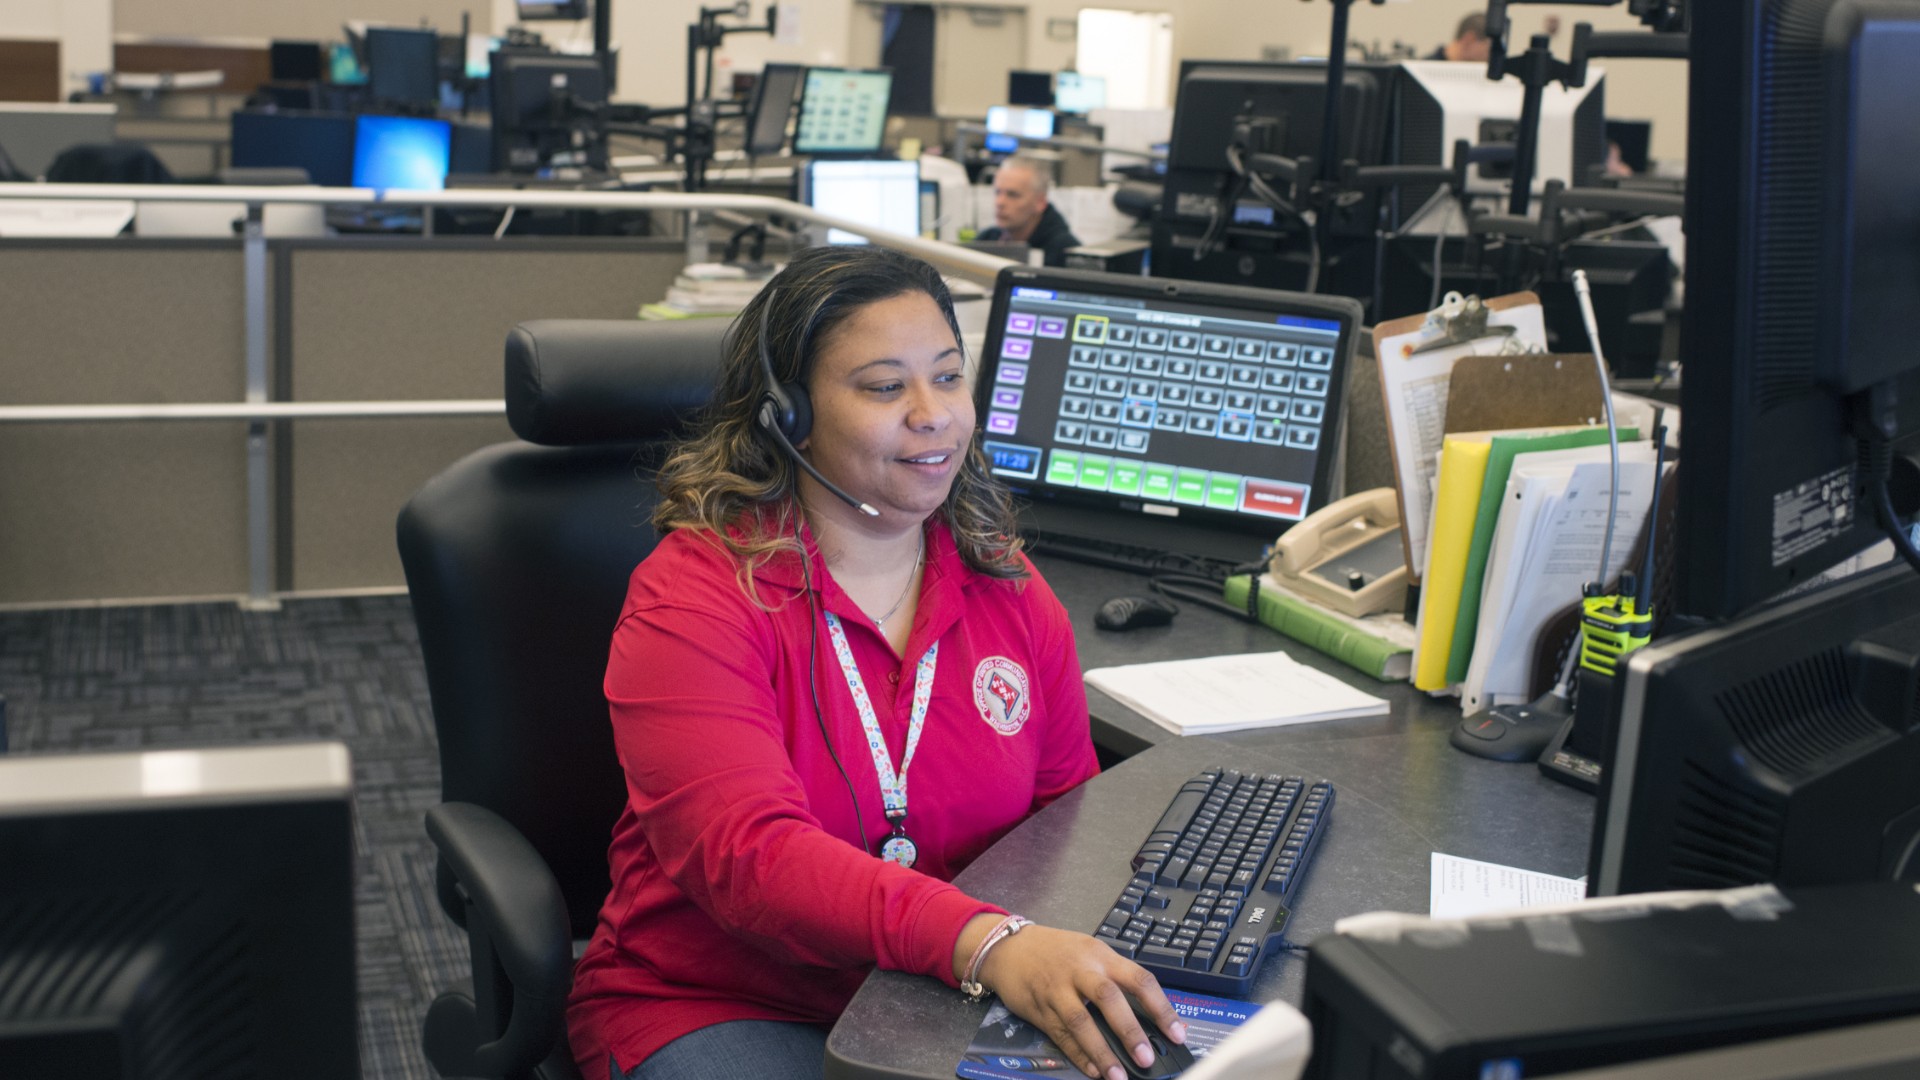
point(785, 406)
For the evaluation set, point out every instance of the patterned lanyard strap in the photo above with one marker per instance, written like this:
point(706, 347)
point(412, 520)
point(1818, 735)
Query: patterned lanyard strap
point(893, 788)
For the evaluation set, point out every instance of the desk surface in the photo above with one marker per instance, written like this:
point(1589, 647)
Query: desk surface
point(1401, 793)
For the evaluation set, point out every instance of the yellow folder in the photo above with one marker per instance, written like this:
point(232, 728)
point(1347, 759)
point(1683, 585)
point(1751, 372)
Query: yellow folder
point(1463, 471)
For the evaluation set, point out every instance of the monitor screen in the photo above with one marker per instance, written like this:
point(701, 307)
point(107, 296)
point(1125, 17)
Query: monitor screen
point(403, 66)
point(294, 61)
point(774, 93)
point(179, 913)
point(1030, 88)
point(843, 111)
point(883, 194)
point(1004, 122)
point(529, 10)
point(321, 143)
point(343, 66)
point(480, 55)
point(1079, 94)
point(401, 152)
point(1210, 414)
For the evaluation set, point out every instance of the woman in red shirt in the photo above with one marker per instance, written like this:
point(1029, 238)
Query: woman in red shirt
point(787, 660)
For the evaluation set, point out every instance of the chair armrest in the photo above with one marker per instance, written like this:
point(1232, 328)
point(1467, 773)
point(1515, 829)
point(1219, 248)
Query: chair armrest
point(517, 929)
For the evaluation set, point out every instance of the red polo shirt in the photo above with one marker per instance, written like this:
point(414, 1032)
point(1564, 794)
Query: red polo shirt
point(739, 887)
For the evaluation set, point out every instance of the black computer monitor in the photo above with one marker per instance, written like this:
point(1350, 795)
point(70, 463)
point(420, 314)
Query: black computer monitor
point(843, 111)
point(1187, 417)
point(403, 67)
point(1033, 88)
point(531, 10)
point(1249, 242)
point(295, 61)
point(542, 106)
point(774, 93)
point(178, 913)
point(1783, 746)
point(321, 143)
point(1635, 140)
point(1803, 204)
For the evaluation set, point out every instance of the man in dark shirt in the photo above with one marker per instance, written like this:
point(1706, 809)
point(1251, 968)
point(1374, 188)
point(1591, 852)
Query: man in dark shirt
point(1021, 213)
point(1469, 44)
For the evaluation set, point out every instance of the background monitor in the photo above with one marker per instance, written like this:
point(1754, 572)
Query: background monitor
point(531, 10)
point(1800, 273)
point(884, 194)
point(1006, 121)
point(403, 67)
point(774, 93)
point(1030, 88)
point(320, 143)
point(1783, 746)
point(843, 111)
point(1079, 94)
point(34, 134)
point(178, 913)
point(344, 67)
point(407, 152)
point(295, 61)
point(1201, 419)
point(1441, 102)
point(539, 107)
point(1635, 139)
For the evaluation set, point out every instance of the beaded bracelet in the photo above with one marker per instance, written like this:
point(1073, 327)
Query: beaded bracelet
point(1002, 930)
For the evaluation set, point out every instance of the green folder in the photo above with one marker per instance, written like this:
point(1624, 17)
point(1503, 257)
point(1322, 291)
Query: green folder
point(1499, 468)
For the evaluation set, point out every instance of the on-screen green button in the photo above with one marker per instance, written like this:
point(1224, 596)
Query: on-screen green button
point(1063, 468)
point(1158, 482)
point(1190, 487)
point(1125, 479)
point(1223, 492)
point(1093, 471)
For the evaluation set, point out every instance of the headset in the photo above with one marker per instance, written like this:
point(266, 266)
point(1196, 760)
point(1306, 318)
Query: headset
point(786, 412)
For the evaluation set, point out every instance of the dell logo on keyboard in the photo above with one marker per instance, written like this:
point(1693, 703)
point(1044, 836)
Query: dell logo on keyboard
point(1259, 916)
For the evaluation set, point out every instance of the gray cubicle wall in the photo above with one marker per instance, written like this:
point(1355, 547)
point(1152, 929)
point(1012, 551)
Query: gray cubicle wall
point(129, 510)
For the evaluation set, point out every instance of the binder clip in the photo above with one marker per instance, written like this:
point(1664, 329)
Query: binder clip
point(1458, 320)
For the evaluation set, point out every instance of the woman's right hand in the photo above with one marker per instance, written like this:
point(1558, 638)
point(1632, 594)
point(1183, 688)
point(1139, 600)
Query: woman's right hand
point(1050, 978)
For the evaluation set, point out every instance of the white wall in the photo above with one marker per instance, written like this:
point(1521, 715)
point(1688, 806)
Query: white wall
point(84, 29)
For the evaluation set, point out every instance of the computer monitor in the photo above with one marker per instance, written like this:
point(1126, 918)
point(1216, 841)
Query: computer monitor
point(1635, 140)
point(343, 65)
point(407, 152)
point(883, 194)
point(295, 61)
point(843, 111)
point(403, 67)
point(1802, 207)
point(774, 93)
point(1193, 418)
point(1079, 94)
point(320, 143)
point(1441, 103)
point(480, 49)
point(532, 10)
point(1782, 746)
point(541, 107)
point(1248, 241)
point(1004, 122)
point(35, 133)
point(1033, 88)
point(178, 913)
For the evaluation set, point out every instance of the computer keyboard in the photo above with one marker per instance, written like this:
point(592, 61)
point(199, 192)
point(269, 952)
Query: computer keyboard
point(1213, 884)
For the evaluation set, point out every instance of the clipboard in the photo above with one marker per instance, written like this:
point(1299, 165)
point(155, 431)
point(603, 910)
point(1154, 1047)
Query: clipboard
point(1537, 390)
point(1417, 357)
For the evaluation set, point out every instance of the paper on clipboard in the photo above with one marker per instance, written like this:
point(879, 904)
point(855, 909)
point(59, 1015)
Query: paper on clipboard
point(1414, 386)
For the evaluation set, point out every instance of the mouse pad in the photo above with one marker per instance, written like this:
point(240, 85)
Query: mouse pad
point(1008, 1048)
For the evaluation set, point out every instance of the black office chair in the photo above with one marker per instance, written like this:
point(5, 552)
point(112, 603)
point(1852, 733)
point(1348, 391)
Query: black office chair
point(517, 559)
point(108, 163)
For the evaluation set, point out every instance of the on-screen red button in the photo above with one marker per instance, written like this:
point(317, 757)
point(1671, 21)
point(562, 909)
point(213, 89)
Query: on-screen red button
point(1273, 498)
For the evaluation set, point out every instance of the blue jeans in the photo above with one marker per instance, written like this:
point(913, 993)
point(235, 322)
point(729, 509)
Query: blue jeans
point(772, 1049)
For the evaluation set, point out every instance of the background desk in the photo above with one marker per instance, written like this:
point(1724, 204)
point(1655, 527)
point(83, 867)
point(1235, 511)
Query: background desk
point(1401, 793)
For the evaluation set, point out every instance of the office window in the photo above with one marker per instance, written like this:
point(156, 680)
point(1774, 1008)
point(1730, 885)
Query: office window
point(1132, 51)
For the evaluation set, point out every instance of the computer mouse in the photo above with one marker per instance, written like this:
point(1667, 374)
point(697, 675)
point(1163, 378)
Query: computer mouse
point(1133, 612)
point(1500, 738)
point(1169, 1058)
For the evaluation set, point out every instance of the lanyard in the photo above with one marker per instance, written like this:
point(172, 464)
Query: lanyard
point(893, 788)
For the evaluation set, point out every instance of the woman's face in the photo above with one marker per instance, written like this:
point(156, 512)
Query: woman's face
point(892, 414)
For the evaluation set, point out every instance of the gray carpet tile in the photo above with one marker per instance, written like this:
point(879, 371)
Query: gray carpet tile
point(196, 675)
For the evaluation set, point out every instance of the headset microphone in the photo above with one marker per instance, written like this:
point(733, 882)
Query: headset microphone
point(787, 413)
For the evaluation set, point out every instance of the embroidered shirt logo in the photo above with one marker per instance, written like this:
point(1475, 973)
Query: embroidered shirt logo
point(1000, 692)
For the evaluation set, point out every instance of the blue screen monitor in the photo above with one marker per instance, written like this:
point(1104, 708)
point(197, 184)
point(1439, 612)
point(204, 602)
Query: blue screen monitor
point(1079, 94)
point(321, 143)
point(343, 67)
point(401, 152)
point(1004, 122)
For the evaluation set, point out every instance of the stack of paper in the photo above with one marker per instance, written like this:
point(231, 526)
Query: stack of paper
point(708, 289)
point(1232, 693)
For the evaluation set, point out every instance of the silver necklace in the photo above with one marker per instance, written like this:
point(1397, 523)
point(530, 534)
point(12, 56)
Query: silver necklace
point(880, 623)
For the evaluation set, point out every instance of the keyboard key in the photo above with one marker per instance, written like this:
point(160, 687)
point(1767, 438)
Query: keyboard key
point(1170, 957)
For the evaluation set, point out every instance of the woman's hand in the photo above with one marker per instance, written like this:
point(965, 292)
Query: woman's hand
point(1050, 978)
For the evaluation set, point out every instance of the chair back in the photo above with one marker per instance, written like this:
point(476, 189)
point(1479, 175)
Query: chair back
point(517, 559)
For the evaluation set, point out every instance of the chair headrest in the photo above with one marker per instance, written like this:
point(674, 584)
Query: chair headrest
point(576, 382)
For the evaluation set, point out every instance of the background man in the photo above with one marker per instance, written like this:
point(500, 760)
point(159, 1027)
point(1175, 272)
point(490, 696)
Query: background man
point(1021, 213)
point(1469, 44)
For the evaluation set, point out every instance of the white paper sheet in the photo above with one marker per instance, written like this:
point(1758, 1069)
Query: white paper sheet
point(1462, 888)
point(1230, 693)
